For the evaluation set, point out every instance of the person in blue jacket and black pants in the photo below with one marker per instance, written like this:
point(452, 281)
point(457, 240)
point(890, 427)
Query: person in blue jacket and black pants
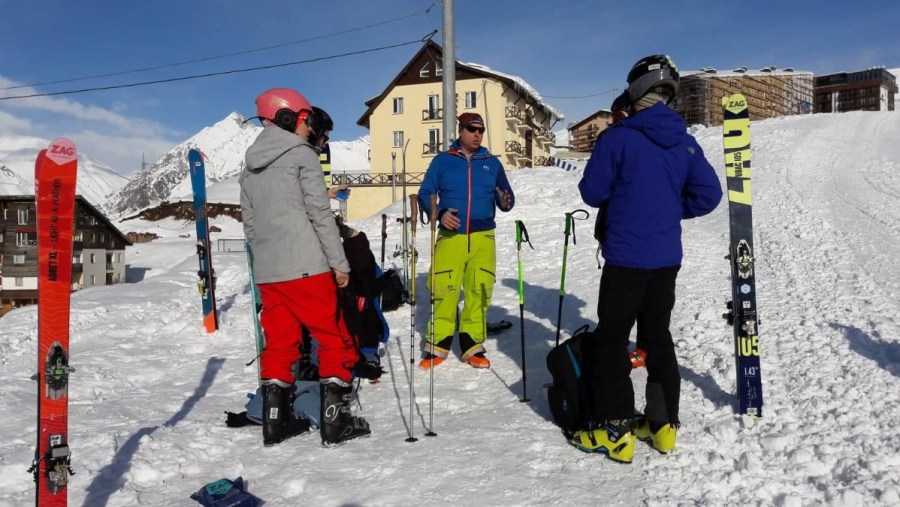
point(647, 174)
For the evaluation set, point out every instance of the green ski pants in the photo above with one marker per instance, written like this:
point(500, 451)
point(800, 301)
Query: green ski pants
point(466, 262)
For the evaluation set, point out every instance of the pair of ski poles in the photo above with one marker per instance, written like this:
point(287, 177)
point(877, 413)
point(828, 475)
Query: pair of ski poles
point(414, 210)
point(522, 235)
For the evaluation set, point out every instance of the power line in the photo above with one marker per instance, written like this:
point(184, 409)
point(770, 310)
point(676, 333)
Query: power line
point(227, 55)
point(221, 73)
point(582, 96)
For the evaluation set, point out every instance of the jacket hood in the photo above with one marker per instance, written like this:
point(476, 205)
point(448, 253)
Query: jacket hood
point(271, 143)
point(660, 124)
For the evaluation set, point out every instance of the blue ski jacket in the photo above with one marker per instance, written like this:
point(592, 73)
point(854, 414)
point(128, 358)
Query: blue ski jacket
point(467, 184)
point(646, 174)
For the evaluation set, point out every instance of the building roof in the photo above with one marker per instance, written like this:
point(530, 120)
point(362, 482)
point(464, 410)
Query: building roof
point(743, 71)
point(516, 83)
point(589, 118)
point(80, 200)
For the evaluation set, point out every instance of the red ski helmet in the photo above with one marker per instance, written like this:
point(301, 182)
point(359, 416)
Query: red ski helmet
point(283, 107)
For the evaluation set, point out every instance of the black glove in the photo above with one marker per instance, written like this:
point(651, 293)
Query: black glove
point(368, 370)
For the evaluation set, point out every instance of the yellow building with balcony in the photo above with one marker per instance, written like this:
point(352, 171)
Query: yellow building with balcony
point(405, 125)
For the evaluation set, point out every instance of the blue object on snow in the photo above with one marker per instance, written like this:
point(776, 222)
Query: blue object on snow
point(226, 493)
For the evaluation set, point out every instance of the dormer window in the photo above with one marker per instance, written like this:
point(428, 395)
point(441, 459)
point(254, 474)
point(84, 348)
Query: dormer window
point(424, 71)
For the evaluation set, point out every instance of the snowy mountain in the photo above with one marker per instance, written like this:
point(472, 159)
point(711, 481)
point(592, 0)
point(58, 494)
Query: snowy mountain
point(96, 182)
point(224, 145)
point(150, 387)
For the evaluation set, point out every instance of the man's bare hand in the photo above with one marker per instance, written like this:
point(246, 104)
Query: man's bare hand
point(449, 220)
point(505, 198)
point(333, 191)
point(342, 279)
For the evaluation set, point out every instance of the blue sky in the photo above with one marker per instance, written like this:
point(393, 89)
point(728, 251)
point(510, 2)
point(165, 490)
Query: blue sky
point(577, 48)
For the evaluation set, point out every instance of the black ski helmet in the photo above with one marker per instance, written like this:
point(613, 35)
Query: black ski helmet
point(621, 107)
point(319, 122)
point(655, 73)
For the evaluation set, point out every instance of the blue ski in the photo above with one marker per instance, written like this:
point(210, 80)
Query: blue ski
point(207, 282)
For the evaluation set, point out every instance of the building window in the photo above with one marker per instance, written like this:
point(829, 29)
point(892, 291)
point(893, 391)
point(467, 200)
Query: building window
point(434, 140)
point(19, 259)
point(398, 139)
point(470, 100)
point(398, 105)
point(23, 216)
point(20, 282)
point(424, 72)
point(26, 239)
point(93, 259)
point(93, 237)
point(93, 279)
point(433, 107)
point(439, 71)
point(120, 259)
point(4, 213)
point(102, 237)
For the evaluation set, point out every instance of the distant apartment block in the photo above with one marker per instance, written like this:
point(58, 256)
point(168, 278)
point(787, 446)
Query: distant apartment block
point(98, 256)
point(865, 90)
point(770, 93)
point(583, 133)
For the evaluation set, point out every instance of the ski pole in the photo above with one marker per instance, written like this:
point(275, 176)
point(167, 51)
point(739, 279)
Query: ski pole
point(403, 221)
point(413, 204)
point(570, 230)
point(383, 237)
point(522, 235)
point(432, 223)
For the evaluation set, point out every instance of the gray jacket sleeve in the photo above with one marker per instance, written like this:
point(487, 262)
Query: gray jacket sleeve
point(247, 215)
point(318, 207)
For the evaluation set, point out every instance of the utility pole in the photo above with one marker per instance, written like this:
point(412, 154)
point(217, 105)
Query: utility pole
point(449, 75)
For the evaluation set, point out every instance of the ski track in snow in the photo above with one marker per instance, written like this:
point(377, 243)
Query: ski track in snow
point(150, 388)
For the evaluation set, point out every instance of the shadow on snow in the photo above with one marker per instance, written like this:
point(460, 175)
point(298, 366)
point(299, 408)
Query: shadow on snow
point(110, 478)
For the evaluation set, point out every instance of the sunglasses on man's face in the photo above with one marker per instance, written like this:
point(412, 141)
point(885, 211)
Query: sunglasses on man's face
point(472, 129)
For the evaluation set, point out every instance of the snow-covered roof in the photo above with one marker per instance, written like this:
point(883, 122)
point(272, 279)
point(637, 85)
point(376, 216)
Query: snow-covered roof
point(744, 71)
point(521, 86)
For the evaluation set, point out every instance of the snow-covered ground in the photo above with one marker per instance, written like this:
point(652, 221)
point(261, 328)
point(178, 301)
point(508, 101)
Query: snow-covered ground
point(147, 399)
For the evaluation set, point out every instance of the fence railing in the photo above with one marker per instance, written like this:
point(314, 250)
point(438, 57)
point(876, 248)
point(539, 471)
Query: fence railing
point(376, 179)
point(432, 114)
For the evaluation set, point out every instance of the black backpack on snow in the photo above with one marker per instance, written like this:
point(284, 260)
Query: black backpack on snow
point(568, 395)
point(356, 302)
point(393, 294)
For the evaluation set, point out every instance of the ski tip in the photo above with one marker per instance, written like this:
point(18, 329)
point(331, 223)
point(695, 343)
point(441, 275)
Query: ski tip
point(61, 151)
point(734, 103)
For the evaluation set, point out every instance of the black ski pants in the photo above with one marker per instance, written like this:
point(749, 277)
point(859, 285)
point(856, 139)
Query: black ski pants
point(627, 294)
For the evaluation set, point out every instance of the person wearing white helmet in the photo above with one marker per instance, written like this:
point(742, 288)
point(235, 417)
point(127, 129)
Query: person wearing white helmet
point(299, 263)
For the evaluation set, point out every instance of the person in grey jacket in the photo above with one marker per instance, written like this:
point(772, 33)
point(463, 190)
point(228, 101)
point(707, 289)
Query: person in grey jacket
point(299, 263)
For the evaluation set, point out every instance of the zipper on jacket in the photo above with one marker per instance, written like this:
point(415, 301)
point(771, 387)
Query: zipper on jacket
point(469, 206)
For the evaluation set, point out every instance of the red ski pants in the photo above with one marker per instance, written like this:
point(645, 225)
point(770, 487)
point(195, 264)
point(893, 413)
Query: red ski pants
point(310, 302)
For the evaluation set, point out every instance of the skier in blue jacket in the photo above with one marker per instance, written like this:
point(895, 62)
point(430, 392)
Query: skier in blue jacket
point(470, 184)
point(647, 173)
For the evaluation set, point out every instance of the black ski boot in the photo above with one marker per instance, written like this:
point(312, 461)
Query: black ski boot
point(336, 424)
point(279, 422)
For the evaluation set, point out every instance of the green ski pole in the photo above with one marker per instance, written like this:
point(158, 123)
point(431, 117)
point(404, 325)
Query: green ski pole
point(522, 235)
point(570, 230)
